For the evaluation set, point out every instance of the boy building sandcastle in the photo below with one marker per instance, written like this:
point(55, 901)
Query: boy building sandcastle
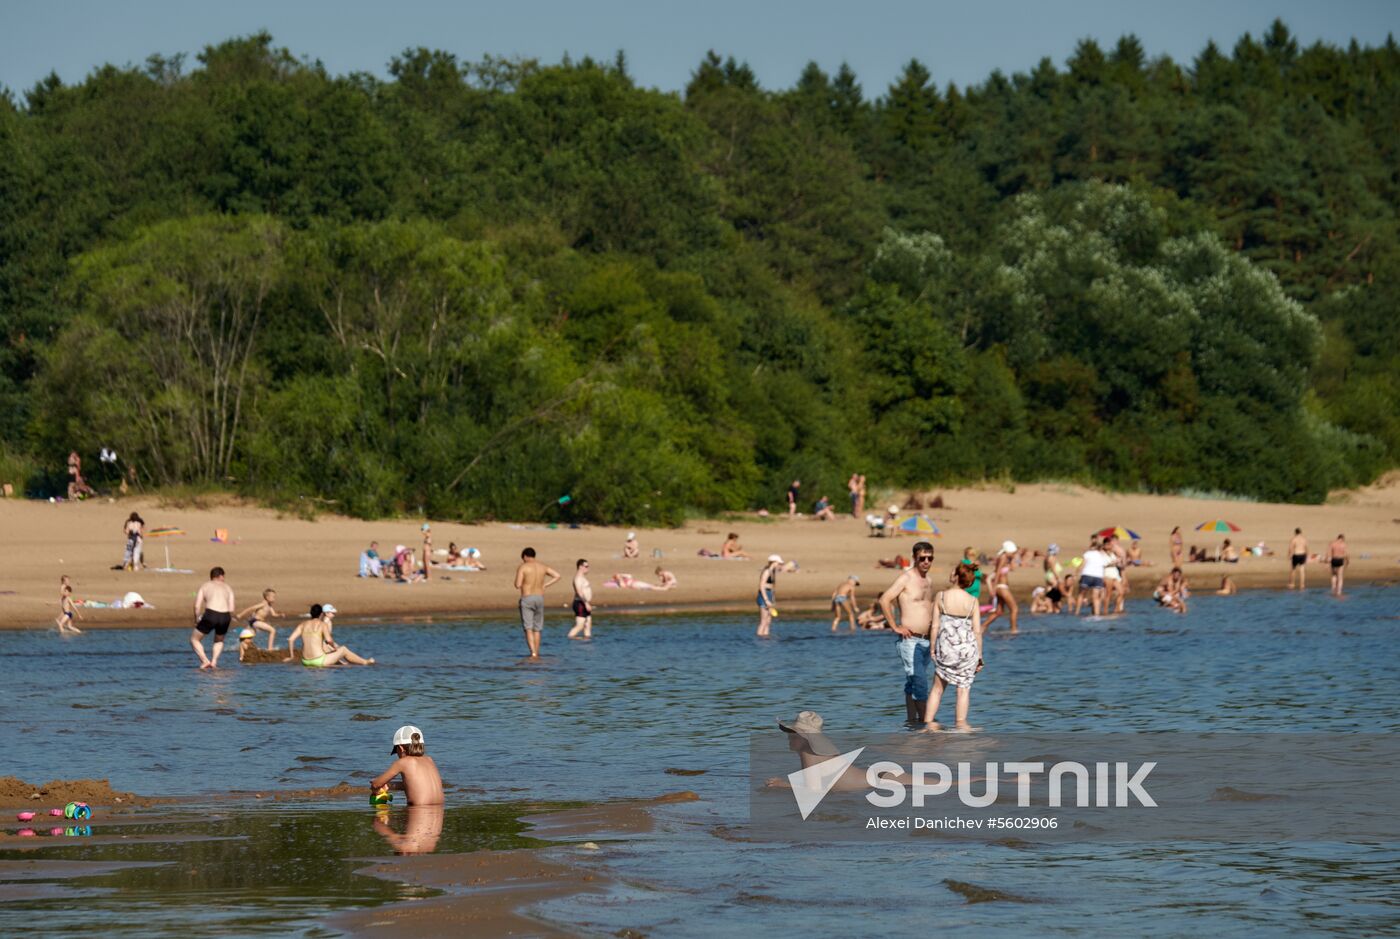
point(418, 774)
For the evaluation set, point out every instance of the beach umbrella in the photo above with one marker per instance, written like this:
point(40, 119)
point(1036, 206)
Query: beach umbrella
point(1118, 531)
point(919, 525)
point(167, 531)
point(1218, 524)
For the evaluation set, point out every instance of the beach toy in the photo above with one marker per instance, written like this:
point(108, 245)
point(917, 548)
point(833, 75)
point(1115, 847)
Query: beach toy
point(25, 833)
point(78, 831)
point(25, 816)
point(57, 812)
point(77, 810)
point(381, 797)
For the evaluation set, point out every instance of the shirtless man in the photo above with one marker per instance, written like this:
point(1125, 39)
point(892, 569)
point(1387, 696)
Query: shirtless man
point(915, 595)
point(531, 579)
point(583, 603)
point(1337, 557)
point(213, 611)
point(1298, 559)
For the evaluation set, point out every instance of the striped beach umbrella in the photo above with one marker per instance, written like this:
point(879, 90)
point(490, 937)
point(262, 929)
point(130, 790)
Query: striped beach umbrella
point(919, 525)
point(1218, 524)
point(1118, 531)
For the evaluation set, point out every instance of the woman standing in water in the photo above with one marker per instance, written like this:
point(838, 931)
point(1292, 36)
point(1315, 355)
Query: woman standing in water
point(767, 580)
point(1000, 582)
point(957, 648)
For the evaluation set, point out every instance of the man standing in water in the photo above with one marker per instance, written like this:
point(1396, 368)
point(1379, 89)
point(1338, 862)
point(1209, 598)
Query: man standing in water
point(1298, 558)
point(915, 595)
point(213, 611)
point(1337, 557)
point(583, 603)
point(531, 579)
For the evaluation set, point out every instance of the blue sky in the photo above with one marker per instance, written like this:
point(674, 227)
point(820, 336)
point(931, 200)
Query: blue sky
point(959, 41)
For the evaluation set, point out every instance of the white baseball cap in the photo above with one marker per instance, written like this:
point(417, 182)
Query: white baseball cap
point(631, 535)
point(246, 634)
point(775, 559)
point(405, 734)
point(328, 608)
point(1008, 547)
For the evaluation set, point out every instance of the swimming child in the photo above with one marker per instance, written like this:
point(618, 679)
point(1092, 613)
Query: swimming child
point(67, 610)
point(419, 779)
point(258, 614)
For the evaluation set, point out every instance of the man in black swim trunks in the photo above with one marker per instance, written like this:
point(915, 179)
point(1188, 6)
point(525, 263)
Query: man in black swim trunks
point(1298, 556)
point(213, 612)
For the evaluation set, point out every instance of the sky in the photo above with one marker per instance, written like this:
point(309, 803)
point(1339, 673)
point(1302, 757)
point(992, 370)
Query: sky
point(961, 42)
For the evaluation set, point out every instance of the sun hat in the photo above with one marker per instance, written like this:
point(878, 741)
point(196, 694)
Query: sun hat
point(1053, 549)
point(246, 634)
point(1008, 547)
point(398, 549)
point(473, 552)
point(894, 510)
point(426, 526)
point(404, 735)
point(775, 559)
point(808, 726)
point(328, 608)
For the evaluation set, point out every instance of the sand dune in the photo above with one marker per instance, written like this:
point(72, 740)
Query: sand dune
point(315, 561)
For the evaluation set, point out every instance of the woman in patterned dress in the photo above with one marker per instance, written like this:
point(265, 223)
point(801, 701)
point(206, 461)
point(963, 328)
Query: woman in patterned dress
point(957, 650)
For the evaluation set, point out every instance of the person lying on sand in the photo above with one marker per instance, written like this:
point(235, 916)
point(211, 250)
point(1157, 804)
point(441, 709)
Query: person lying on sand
point(418, 774)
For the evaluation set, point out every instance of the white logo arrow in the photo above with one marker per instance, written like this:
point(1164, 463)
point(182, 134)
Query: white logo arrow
point(811, 783)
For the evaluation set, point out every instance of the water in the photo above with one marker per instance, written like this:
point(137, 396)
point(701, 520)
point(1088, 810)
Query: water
point(606, 719)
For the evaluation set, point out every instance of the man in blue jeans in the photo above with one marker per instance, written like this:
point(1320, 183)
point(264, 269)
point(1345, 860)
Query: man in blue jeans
point(914, 626)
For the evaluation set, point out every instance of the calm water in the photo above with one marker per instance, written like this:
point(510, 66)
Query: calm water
point(607, 719)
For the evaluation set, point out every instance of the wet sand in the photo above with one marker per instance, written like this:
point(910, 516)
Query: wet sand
point(484, 892)
point(316, 561)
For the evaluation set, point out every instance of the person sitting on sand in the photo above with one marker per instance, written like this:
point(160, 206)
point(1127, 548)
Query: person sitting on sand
point(1227, 587)
point(822, 510)
point(732, 549)
point(418, 774)
point(318, 649)
point(1135, 555)
point(454, 555)
point(844, 600)
point(258, 614)
point(371, 564)
point(665, 579)
point(1229, 553)
point(250, 654)
point(471, 560)
point(630, 548)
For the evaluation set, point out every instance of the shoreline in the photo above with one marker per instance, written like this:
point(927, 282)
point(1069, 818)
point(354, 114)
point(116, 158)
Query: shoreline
point(315, 561)
point(486, 890)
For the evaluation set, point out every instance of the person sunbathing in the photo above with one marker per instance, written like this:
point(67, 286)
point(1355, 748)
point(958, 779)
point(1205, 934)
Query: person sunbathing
point(454, 555)
point(732, 549)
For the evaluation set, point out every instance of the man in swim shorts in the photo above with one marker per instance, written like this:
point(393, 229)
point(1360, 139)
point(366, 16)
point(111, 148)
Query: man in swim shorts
point(531, 579)
point(1337, 557)
point(583, 603)
point(213, 612)
point(914, 593)
point(1298, 559)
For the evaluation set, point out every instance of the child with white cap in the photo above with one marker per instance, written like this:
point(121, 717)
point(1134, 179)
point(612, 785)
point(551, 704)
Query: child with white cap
point(418, 774)
point(630, 548)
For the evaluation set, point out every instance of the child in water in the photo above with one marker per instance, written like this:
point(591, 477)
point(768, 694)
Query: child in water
point(419, 781)
point(67, 610)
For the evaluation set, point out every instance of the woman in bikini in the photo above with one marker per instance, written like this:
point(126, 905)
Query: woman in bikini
point(318, 649)
point(1000, 582)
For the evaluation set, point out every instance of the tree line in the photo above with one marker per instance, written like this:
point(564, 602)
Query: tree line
point(474, 287)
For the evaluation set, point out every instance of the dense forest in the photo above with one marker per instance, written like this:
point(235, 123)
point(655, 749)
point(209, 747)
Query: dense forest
point(471, 288)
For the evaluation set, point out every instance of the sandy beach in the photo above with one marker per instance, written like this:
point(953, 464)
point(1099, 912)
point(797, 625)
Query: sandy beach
point(315, 561)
